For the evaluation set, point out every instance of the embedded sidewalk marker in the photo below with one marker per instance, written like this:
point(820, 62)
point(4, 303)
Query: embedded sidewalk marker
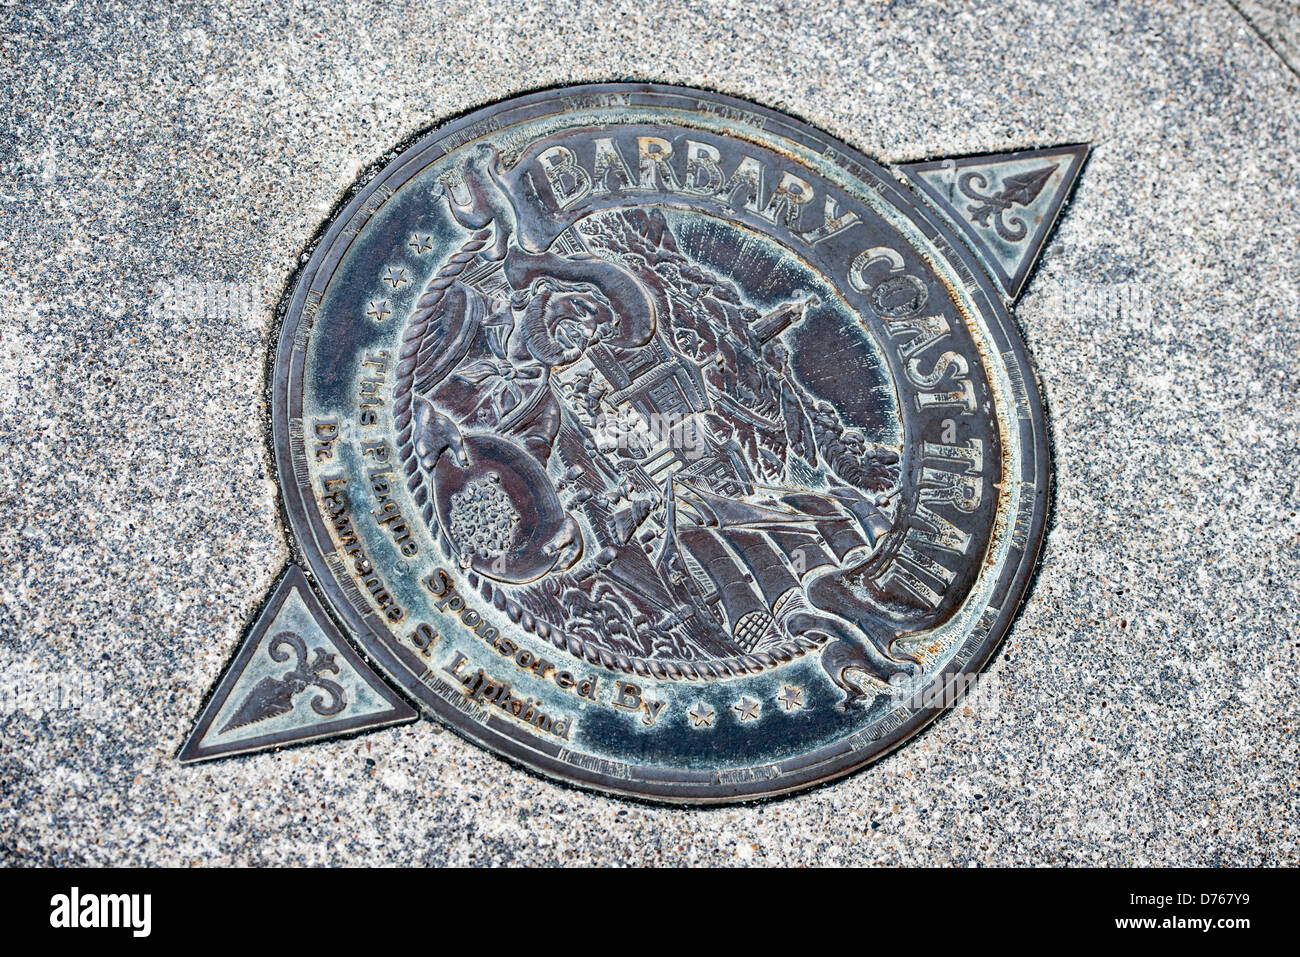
point(654, 440)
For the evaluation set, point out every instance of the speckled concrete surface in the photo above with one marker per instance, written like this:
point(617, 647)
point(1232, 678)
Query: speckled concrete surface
point(1145, 709)
point(1278, 25)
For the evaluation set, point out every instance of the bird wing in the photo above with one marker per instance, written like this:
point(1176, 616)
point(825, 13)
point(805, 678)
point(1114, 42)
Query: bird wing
point(440, 332)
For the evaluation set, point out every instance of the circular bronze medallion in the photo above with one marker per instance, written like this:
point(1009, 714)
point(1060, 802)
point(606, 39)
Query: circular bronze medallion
point(658, 441)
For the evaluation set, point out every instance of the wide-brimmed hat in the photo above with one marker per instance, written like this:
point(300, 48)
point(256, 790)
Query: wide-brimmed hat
point(633, 304)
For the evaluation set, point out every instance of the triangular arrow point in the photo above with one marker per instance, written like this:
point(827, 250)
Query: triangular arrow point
point(1004, 205)
point(293, 679)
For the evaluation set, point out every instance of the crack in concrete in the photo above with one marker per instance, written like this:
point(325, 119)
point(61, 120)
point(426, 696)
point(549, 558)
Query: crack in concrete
point(1269, 41)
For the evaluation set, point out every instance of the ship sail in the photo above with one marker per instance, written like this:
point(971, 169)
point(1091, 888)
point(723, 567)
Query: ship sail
point(771, 573)
point(756, 555)
point(734, 513)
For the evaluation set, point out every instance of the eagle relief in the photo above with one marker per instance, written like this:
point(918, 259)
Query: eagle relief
point(660, 442)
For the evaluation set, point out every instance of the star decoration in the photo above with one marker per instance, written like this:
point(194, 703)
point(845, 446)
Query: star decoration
point(395, 276)
point(790, 698)
point(702, 715)
point(421, 243)
point(747, 708)
point(379, 310)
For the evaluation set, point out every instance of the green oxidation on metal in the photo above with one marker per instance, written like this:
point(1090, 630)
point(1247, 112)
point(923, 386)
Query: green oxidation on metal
point(658, 442)
point(1004, 205)
point(294, 679)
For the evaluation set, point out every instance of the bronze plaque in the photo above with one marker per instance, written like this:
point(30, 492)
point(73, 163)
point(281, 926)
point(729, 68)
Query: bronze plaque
point(660, 442)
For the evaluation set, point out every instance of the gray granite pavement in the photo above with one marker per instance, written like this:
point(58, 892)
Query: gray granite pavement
point(1278, 24)
point(163, 165)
